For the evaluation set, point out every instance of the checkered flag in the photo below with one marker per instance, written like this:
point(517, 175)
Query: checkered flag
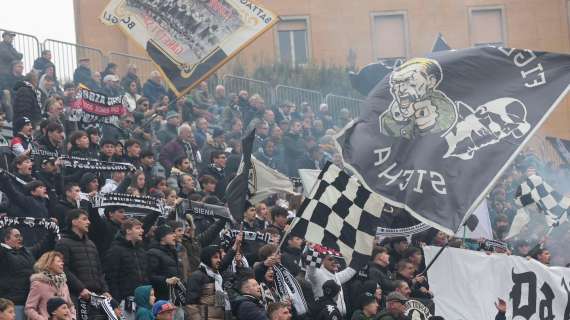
point(314, 254)
point(340, 214)
point(554, 205)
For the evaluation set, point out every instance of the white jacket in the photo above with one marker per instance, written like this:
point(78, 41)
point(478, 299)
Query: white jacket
point(318, 276)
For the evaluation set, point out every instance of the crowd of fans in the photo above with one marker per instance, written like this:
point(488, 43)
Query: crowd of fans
point(185, 148)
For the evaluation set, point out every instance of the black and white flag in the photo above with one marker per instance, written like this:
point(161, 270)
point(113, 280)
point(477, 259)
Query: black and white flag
point(438, 131)
point(534, 190)
point(340, 214)
point(240, 189)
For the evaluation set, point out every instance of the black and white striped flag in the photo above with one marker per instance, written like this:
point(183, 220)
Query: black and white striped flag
point(341, 214)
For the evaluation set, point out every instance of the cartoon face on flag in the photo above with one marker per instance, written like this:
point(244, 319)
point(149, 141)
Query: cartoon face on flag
point(438, 131)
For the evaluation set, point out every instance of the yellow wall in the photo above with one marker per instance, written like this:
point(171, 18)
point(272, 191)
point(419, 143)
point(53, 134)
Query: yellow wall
point(335, 26)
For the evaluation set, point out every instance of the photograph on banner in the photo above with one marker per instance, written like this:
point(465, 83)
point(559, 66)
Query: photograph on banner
point(189, 40)
point(439, 131)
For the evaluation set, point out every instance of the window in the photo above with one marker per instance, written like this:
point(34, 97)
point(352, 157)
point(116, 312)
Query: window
point(293, 41)
point(390, 35)
point(487, 26)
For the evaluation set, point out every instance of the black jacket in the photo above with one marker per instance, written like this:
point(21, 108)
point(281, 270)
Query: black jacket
point(382, 276)
point(220, 176)
point(246, 307)
point(17, 266)
point(102, 231)
point(59, 211)
point(163, 263)
point(294, 148)
point(290, 259)
point(194, 245)
point(83, 75)
point(26, 102)
point(125, 267)
point(8, 54)
point(82, 264)
point(326, 309)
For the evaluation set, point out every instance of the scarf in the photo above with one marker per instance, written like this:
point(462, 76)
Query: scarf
point(244, 264)
point(221, 296)
point(56, 280)
point(76, 162)
point(228, 237)
point(267, 296)
point(102, 200)
point(99, 302)
point(288, 287)
point(31, 223)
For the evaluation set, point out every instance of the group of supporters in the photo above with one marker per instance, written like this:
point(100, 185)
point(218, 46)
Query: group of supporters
point(175, 265)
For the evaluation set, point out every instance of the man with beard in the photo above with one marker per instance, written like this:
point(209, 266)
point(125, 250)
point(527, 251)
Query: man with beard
point(82, 264)
point(206, 296)
point(501, 228)
point(125, 263)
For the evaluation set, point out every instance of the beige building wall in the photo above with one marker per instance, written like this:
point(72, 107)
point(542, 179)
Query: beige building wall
point(335, 27)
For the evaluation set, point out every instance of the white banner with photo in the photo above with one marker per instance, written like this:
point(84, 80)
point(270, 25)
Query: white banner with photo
point(466, 285)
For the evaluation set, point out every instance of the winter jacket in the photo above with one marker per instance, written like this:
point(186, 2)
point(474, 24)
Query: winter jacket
point(291, 259)
point(220, 175)
point(26, 102)
point(176, 149)
point(82, 264)
point(102, 231)
point(7, 55)
point(41, 290)
point(20, 144)
point(201, 295)
point(59, 211)
point(142, 300)
point(83, 75)
point(41, 64)
point(326, 309)
point(17, 266)
point(382, 276)
point(318, 276)
point(125, 266)
point(167, 133)
point(294, 148)
point(153, 91)
point(162, 264)
point(246, 307)
point(194, 245)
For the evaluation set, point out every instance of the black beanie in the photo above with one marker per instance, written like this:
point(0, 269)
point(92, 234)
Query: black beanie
point(53, 304)
point(207, 254)
point(20, 123)
point(85, 179)
point(162, 231)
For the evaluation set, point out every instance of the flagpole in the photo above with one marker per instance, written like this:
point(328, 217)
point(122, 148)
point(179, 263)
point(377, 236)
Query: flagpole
point(433, 260)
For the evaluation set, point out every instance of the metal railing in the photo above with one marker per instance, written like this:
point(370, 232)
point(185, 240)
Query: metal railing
point(29, 46)
point(337, 103)
point(298, 96)
point(144, 65)
point(234, 84)
point(66, 57)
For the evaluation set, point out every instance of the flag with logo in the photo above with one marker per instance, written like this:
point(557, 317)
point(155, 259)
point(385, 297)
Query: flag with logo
point(437, 132)
point(189, 40)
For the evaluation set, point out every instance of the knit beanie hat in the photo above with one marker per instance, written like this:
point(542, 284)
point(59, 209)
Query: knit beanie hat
point(53, 304)
point(85, 179)
point(20, 123)
point(162, 231)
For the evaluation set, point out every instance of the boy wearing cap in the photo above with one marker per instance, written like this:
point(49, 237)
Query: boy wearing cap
point(163, 310)
point(58, 309)
point(21, 143)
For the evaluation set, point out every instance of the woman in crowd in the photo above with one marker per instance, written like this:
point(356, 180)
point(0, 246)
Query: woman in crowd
point(49, 281)
point(132, 96)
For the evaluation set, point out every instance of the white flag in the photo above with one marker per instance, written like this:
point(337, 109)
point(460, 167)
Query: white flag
point(266, 181)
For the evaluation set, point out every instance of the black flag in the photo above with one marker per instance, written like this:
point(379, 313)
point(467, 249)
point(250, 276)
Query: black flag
point(238, 190)
point(438, 131)
point(440, 44)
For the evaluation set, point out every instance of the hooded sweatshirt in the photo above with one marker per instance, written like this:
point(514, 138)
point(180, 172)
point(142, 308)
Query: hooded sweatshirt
point(144, 309)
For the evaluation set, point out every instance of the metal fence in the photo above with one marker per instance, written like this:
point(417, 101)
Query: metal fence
point(66, 56)
point(144, 65)
point(234, 84)
point(28, 46)
point(337, 103)
point(298, 96)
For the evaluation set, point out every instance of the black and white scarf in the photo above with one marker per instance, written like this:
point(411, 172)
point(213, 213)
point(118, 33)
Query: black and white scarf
point(288, 287)
point(401, 232)
point(99, 302)
point(102, 200)
point(31, 223)
point(221, 297)
point(177, 293)
point(229, 236)
point(84, 163)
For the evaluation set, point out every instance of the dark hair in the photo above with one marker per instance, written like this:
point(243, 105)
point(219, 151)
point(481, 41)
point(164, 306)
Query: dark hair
point(5, 304)
point(33, 185)
point(54, 126)
point(242, 279)
point(410, 252)
point(76, 135)
point(266, 251)
point(49, 78)
point(73, 215)
point(378, 250)
point(402, 264)
point(277, 211)
point(19, 160)
point(107, 141)
point(92, 130)
point(181, 177)
point(147, 153)
point(216, 154)
point(206, 179)
point(129, 224)
point(110, 209)
point(7, 232)
point(179, 160)
point(70, 185)
point(131, 142)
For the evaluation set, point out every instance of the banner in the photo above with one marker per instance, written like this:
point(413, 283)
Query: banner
point(92, 107)
point(189, 40)
point(83, 163)
point(103, 200)
point(466, 284)
point(439, 131)
point(265, 182)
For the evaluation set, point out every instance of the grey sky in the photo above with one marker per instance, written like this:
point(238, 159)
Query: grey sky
point(45, 19)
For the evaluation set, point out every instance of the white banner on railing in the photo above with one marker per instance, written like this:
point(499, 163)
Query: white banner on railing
point(466, 284)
